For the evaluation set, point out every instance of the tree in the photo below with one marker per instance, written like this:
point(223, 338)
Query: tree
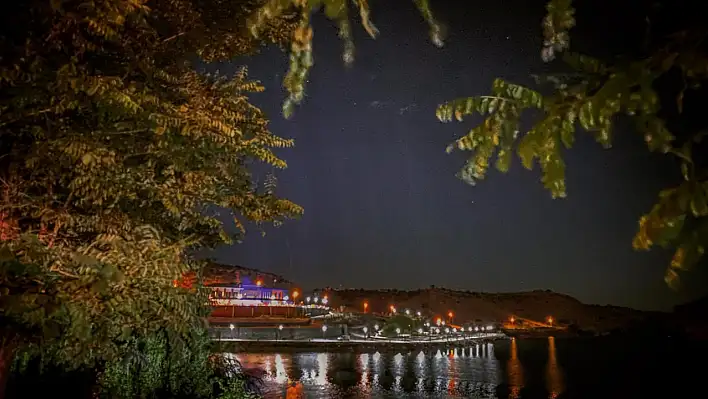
point(115, 153)
point(658, 90)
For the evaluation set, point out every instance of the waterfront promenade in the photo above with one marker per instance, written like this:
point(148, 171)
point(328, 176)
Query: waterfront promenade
point(360, 341)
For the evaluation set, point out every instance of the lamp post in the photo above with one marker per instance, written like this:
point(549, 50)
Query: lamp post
point(324, 330)
point(231, 327)
point(366, 332)
point(280, 331)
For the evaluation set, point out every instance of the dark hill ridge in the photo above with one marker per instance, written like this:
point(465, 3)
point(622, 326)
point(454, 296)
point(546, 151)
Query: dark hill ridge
point(492, 307)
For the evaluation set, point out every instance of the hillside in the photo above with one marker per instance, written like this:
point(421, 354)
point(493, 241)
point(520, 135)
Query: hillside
point(491, 307)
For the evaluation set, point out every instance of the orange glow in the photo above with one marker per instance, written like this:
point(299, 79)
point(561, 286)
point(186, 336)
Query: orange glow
point(391, 307)
point(512, 319)
point(325, 297)
point(295, 294)
point(259, 283)
point(438, 321)
point(550, 320)
point(449, 314)
point(366, 306)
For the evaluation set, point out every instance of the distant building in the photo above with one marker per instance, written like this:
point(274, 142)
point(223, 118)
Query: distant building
point(245, 292)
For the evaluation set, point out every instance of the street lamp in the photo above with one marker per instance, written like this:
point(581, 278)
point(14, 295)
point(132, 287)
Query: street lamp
point(447, 330)
point(417, 313)
point(366, 330)
point(324, 300)
point(366, 306)
point(324, 330)
point(443, 322)
point(438, 321)
point(280, 331)
point(231, 326)
point(308, 299)
point(420, 331)
point(398, 331)
point(408, 312)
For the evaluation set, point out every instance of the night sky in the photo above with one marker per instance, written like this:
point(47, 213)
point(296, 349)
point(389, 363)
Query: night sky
point(383, 208)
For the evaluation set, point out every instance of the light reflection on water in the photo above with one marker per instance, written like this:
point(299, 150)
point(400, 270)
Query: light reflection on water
point(544, 368)
point(452, 373)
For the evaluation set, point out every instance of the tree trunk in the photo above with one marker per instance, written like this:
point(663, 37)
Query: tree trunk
point(7, 352)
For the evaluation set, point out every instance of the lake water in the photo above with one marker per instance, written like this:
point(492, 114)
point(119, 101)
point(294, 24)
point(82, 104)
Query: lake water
point(520, 368)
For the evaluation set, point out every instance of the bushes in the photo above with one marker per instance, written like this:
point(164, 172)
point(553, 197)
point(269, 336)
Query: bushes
point(160, 367)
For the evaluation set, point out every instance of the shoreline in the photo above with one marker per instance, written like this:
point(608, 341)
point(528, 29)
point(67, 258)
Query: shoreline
point(297, 345)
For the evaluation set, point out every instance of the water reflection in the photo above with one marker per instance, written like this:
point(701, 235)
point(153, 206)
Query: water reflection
point(449, 373)
point(514, 371)
point(554, 377)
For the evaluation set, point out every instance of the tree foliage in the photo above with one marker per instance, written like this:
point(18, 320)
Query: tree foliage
point(153, 367)
point(657, 91)
point(301, 56)
point(114, 152)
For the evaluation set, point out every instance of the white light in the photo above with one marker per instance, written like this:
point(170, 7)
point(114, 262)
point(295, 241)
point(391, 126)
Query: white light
point(231, 326)
point(476, 328)
point(280, 327)
point(408, 312)
point(286, 298)
point(317, 299)
point(324, 301)
point(469, 329)
point(417, 314)
point(393, 310)
point(420, 331)
point(447, 330)
point(437, 330)
point(489, 328)
point(365, 330)
point(443, 322)
point(308, 299)
point(398, 331)
point(272, 296)
point(454, 329)
point(324, 328)
point(376, 327)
